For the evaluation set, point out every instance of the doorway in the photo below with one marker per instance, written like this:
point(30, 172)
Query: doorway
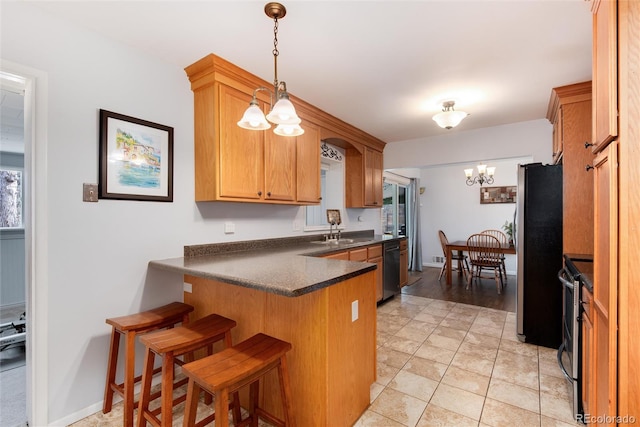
point(13, 252)
point(394, 208)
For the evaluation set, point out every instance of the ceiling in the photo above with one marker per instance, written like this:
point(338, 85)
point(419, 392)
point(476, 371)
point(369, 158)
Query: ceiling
point(383, 66)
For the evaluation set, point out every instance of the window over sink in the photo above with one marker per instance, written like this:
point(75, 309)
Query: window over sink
point(331, 188)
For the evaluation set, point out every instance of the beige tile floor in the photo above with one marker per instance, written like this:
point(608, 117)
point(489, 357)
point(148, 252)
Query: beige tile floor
point(443, 363)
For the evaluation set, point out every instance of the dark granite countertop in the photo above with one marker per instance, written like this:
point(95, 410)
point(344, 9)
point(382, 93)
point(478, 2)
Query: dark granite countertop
point(285, 266)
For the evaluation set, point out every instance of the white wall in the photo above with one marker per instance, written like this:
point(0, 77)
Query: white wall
point(96, 254)
point(450, 205)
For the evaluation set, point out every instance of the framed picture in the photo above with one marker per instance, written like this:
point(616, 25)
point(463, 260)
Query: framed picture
point(333, 216)
point(498, 194)
point(136, 159)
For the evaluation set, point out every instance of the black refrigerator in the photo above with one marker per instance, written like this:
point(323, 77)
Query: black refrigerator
point(539, 253)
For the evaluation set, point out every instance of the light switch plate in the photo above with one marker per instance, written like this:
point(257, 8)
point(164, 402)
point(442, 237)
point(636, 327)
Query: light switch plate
point(354, 311)
point(89, 192)
point(187, 287)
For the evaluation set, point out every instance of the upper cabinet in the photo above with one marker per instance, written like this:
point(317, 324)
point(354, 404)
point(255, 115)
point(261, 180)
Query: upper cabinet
point(570, 113)
point(363, 176)
point(605, 71)
point(239, 165)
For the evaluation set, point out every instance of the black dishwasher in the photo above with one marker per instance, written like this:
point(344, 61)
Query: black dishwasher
point(391, 271)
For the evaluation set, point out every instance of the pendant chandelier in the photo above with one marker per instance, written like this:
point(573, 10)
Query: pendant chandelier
point(283, 114)
point(449, 118)
point(485, 175)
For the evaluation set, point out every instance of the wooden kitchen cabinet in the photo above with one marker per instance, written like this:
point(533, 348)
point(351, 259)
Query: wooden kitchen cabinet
point(372, 254)
point(587, 350)
point(239, 165)
point(363, 178)
point(570, 113)
point(605, 290)
point(604, 73)
point(308, 165)
point(616, 294)
point(404, 263)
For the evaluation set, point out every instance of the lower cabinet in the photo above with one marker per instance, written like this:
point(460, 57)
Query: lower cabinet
point(404, 263)
point(372, 254)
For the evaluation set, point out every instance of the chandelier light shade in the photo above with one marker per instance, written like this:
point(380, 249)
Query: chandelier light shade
point(449, 118)
point(253, 118)
point(485, 175)
point(288, 130)
point(283, 113)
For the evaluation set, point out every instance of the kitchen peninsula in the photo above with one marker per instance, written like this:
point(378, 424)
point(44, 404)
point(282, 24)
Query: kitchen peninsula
point(326, 308)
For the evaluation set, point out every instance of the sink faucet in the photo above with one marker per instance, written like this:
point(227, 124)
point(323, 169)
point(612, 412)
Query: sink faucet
point(331, 224)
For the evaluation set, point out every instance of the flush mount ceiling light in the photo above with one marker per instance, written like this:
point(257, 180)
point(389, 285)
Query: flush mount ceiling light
point(449, 118)
point(283, 113)
point(485, 175)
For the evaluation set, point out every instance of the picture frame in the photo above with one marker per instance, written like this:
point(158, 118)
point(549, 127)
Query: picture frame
point(135, 159)
point(490, 195)
point(333, 216)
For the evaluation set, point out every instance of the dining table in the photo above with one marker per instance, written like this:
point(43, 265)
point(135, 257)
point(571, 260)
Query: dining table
point(461, 245)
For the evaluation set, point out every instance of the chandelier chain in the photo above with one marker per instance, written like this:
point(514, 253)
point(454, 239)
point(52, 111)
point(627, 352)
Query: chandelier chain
point(275, 55)
point(275, 37)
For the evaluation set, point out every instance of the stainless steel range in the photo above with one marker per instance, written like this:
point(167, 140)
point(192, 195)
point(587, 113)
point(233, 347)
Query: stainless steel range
point(573, 276)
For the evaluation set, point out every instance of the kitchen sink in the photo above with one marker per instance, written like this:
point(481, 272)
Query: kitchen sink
point(333, 242)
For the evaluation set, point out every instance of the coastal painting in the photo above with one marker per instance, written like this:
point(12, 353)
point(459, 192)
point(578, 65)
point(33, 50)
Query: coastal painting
point(136, 159)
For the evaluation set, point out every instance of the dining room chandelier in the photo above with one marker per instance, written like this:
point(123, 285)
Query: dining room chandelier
point(485, 175)
point(283, 114)
point(449, 118)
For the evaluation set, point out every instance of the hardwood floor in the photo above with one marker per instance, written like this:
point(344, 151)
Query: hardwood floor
point(484, 294)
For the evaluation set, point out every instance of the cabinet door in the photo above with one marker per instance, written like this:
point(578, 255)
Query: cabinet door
point(577, 182)
point(605, 284)
point(379, 277)
point(605, 73)
point(241, 151)
point(372, 178)
point(404, 272)
point(358, 254)
point(279, 167)
point(308, 165)
point(339, 255)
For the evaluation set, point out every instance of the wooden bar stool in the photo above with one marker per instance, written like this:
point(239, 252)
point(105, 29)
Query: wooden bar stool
point(229, 370)
point(170, 344)
point(130, 326)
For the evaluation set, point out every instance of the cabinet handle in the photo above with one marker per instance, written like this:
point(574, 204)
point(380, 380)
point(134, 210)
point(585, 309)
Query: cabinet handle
point(269, 194)
point(588, 168)
point(587, 144)
point(259, 193)
point(320, 198)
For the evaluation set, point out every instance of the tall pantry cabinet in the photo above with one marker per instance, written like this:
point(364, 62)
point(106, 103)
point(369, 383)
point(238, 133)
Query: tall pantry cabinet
point(615, 375)
point(570, 113)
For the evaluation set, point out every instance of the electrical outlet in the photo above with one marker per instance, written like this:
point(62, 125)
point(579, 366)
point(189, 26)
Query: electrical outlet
point(187, 287)
point(229, 228)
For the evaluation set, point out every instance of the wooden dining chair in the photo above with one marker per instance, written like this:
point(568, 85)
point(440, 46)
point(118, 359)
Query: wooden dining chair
point(504, 240)
point(483, 254)
point(458, 256)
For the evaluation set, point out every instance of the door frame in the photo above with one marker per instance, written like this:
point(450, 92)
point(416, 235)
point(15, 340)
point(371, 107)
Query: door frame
point(35, 224)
